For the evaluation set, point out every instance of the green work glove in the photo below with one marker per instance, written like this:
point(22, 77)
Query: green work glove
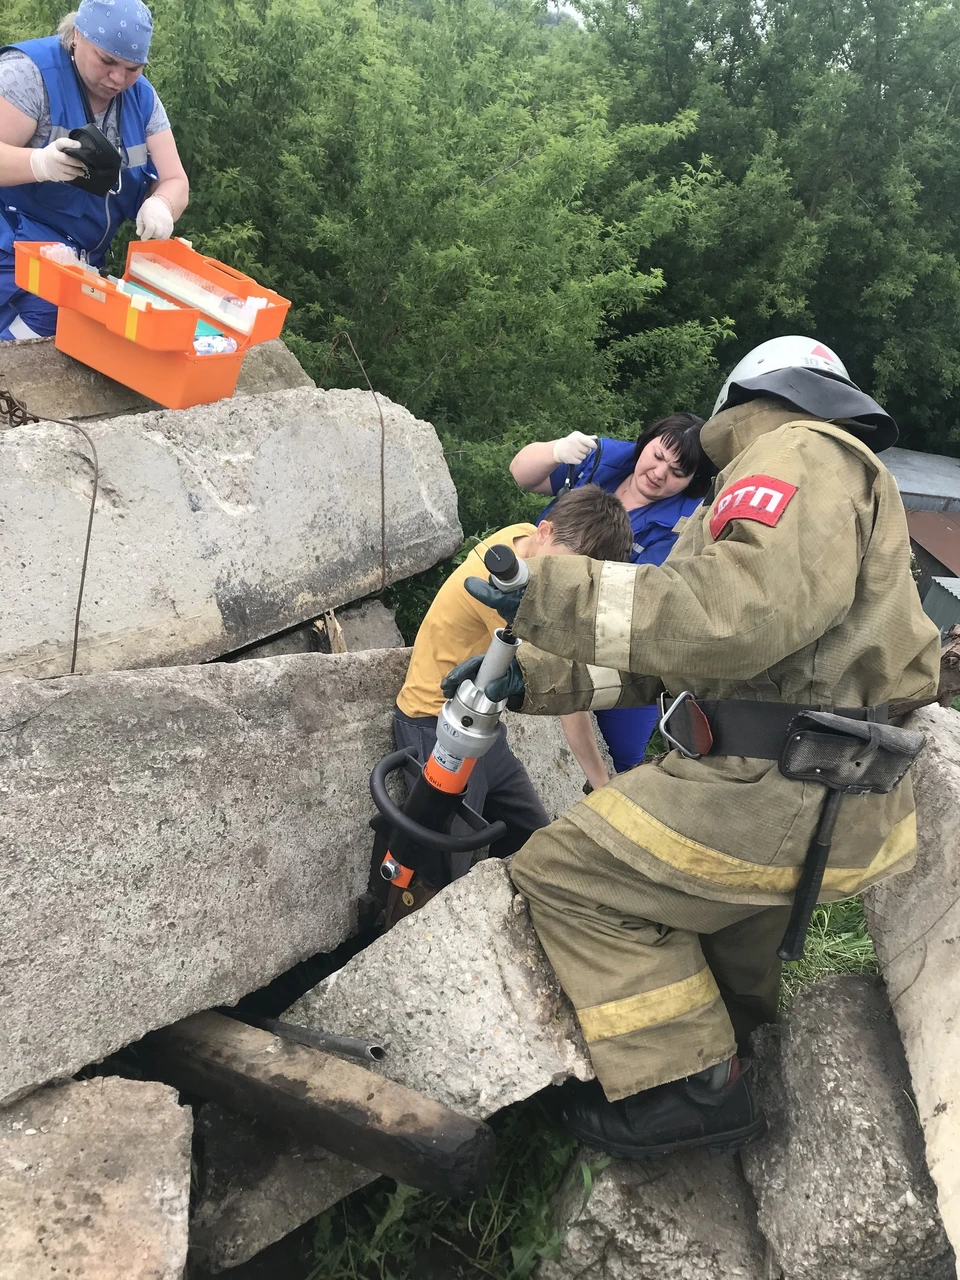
point(508, 686)
point(506, 603)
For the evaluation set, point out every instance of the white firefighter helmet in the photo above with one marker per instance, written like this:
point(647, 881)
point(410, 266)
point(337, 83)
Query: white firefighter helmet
point(792, 352)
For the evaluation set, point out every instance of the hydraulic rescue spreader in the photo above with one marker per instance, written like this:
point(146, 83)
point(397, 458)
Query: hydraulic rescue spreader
point(414, 843)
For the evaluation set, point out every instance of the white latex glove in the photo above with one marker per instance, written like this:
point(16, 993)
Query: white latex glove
point(573, 448)
point(54, 163)
point(154, 221)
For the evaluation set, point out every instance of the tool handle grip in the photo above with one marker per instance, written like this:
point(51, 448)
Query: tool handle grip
point(811, 878)
point(496, 661)
point(440, 841)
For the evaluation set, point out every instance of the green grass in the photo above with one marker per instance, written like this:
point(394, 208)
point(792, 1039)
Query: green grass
point(838, 942)
point(394, 1232)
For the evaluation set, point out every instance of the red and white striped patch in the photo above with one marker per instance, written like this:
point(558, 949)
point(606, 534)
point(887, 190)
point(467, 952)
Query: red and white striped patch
point(761, 498)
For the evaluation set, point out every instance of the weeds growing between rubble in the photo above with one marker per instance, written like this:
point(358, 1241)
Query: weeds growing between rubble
point(838, 942)
point(398, 1233)
point(391, 1232)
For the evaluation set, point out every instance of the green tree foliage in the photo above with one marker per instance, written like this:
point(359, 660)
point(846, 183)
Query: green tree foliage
point(413, 173)
point(829, 195)
point(416, 173)
point(529, 224)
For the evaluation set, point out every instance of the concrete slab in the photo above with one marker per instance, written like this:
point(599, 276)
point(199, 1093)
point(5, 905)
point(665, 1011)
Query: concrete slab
point(369, 625)
point(173, 839)
point(915, 923)
point(53, 385)
point(258, 1186)
point(461, 996)
point(471, 1014)
point(688, 1217)
point(95, 1183)
point(840, 1179)
point(215, 527)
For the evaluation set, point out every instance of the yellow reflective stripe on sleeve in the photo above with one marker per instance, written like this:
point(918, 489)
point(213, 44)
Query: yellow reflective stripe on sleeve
point(607, 687)
point(699, 860)
point(614, 615)
point(633, 1013)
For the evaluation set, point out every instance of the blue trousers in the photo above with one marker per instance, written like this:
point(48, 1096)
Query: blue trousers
point(22, 314)
point(626, 731)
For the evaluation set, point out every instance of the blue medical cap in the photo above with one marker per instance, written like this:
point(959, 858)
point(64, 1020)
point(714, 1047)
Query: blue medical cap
point(120, 27)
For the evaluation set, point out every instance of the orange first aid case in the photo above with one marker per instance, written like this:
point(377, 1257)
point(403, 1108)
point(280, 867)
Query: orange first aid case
point(144, 347)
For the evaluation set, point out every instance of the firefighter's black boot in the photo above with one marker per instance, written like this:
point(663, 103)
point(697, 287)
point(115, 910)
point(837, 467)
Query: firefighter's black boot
point(714, 1108)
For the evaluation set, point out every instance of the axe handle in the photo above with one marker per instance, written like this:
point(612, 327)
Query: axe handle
point(811, 878)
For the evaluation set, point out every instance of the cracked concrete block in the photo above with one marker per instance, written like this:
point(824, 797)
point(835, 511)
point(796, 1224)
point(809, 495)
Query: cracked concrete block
point(462, 997)
point(258, 1186)
point(95, 1183)
point(173, 839)
point(691, 1217)
point(915, 923)
point(471, 1014)
point(841, 1182)
point(539, 742)
point(53, 385)
point(369, 625)
point(215, 527)
point(297, 641)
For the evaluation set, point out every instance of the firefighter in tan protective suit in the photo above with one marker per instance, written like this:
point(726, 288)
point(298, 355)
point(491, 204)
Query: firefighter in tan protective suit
point(660, 899)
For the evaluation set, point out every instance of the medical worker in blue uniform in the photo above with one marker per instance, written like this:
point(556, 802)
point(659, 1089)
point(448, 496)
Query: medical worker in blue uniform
point(660, 479)
point(90, 72)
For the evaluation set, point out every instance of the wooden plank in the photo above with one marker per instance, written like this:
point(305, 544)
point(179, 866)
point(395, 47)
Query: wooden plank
point(342, 1106)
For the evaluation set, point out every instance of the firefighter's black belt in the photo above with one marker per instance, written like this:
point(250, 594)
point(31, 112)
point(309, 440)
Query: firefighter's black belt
point(739, 727)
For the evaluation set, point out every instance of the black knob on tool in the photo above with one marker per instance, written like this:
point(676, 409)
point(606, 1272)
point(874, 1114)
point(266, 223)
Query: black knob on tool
point(505, 568)
point(501, 560)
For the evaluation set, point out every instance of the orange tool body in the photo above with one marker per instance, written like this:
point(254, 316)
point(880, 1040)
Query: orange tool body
point(414, 842)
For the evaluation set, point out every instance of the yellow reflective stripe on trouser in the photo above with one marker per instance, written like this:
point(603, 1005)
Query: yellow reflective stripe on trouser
point(607, 687)
point(633, 1013)
point(614, 620)
point(699, 860)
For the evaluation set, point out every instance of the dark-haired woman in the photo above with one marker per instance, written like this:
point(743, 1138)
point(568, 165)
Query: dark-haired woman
point(660, 479)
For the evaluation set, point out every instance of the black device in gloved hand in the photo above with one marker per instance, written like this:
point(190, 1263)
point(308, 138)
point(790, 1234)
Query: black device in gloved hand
point(101, 157)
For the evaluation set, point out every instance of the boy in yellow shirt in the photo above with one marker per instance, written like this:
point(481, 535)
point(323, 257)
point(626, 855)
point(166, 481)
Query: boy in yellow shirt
point(586, 521)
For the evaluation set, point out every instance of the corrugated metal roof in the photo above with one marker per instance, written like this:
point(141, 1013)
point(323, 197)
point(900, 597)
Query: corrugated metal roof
point(941, 604)
point(925, 480)
point(939, 533)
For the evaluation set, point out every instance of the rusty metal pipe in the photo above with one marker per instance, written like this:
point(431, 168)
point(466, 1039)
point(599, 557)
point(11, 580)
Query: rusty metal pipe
point(342, 1106)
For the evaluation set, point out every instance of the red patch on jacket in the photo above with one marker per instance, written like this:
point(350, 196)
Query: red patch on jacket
point(759, 498)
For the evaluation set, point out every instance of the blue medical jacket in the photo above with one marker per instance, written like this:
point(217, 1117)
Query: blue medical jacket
point(653, 525)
